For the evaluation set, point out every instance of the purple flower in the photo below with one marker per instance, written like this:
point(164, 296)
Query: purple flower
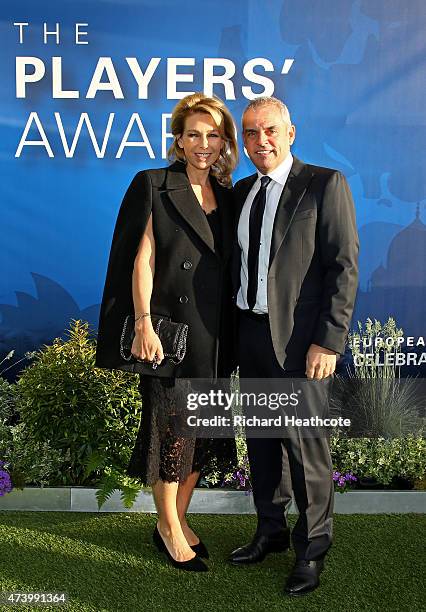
point(238, 478)
point(5, 482)
point(343, 480)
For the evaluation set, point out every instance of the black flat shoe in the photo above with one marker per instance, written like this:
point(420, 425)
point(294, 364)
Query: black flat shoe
point(192, 565)
point(304, 577)
point(200, 550)
point(259, 547)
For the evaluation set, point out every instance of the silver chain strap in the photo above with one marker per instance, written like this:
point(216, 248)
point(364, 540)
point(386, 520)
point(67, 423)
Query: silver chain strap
point(180, 349)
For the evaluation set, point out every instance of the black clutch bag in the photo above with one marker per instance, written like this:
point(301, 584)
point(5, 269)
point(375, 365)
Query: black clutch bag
point(172, 337)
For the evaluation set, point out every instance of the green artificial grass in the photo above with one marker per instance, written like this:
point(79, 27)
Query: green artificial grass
point(106, 562)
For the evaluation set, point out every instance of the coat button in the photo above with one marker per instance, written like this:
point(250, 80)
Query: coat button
point(183, 299)
point(187, 265)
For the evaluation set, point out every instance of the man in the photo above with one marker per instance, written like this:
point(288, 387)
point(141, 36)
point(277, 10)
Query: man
point(296, 277)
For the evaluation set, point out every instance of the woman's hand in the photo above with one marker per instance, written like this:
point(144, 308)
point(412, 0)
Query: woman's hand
point(146, 345)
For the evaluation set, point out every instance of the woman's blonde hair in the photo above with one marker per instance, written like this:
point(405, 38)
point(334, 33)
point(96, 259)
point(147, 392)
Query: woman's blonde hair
point(200, 103)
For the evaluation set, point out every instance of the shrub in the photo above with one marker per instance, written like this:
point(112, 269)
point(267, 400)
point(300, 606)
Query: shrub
point(79, 409)
point(7, 402)
point(375, 398)
point(382, 459)
point(239, 478)
point(352, 458)
point(26, 461)
point(378, 407)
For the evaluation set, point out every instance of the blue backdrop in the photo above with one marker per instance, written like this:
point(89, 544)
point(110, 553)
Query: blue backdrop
point(350, 72)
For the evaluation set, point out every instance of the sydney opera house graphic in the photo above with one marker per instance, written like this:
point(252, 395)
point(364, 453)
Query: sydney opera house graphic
point(397, 287)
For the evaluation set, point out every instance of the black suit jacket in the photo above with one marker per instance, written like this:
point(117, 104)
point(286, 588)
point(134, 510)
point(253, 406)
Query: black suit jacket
point(192, 282)
point(313, 269)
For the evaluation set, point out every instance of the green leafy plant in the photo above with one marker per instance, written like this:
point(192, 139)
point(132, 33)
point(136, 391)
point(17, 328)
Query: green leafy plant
point(115, 480)
point(239, 477)
point(382, 459)
point(79, 409)
point(28, 462)
point(7, 404)
point(385, 460)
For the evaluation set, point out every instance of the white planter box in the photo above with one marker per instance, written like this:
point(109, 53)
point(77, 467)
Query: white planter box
point(205, 501)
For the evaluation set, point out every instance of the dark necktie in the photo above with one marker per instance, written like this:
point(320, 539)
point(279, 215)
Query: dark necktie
point(255, 226)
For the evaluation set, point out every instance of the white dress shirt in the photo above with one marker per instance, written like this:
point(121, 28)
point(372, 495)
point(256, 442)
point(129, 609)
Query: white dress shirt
point(279, 177)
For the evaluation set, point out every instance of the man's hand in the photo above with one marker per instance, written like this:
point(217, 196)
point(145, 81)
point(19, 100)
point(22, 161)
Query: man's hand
point(320, 362)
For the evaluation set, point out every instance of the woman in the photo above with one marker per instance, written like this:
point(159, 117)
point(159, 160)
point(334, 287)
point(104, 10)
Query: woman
point(170, 254)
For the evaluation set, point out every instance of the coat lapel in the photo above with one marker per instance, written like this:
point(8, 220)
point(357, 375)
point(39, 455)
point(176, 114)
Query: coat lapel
point(185, 201)
point(294, 190)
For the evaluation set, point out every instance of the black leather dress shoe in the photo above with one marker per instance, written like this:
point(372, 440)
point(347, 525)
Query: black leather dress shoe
point(304, 578)
point(260, 546)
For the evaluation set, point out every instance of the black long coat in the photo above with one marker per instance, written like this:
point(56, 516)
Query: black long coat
point(192, 281)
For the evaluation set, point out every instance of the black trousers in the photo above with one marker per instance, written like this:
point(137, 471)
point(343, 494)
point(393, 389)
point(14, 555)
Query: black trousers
point(293, 463)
